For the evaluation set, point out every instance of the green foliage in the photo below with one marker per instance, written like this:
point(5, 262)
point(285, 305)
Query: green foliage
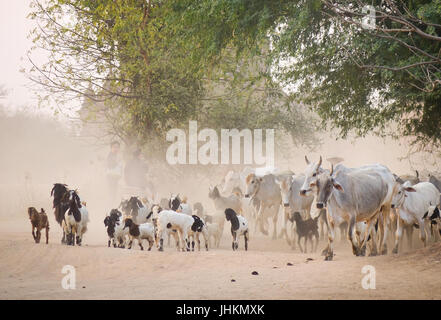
point(136, 65)
point(356, 79)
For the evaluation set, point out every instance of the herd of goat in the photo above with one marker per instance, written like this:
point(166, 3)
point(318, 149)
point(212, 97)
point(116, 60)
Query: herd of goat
point(366, 203)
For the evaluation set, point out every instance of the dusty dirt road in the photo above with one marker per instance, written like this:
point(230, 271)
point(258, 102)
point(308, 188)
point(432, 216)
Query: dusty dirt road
point(33, 271)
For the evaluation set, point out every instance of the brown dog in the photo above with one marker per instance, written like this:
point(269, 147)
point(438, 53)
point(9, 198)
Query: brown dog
point(39, 221)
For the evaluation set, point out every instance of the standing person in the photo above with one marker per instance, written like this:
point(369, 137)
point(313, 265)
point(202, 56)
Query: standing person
point(114, 170)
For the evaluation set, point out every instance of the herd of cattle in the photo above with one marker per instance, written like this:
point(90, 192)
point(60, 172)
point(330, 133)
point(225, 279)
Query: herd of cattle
point(367, 203)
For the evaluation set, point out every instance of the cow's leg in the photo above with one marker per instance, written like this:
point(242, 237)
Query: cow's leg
point(351, 225)
point(373, 234)
point(398, 234)
point(47, 235)
point(284, 231)
point(260, 217)
point(385, 212)
point(327, 249)
point(369, 226)
point(422, 232)
point(275, 218)
point(409, 235)
point(380, 231)
point(151, 242)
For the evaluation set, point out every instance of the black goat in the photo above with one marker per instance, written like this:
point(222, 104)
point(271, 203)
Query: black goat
point(306, 229)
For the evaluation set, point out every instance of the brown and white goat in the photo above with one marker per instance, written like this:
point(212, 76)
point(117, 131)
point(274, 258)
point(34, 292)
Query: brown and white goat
point(39, 221)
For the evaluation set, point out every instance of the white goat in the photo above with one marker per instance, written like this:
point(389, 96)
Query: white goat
point(215, 232)
point(169, 219)
point(140, 232)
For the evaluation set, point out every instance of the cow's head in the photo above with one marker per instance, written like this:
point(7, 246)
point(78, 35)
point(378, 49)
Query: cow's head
point(285, 184)
point(325, 184)
point(230, 181)
point(252, 184)
point(311, 173)
point(400, 193)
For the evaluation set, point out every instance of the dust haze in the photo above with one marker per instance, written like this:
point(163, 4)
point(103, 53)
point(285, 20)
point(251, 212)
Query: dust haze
point(37, 151)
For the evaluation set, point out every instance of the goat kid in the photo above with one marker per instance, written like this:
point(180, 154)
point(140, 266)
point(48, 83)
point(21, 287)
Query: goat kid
point(140, 232)
point(306, 229)
point(39, 221)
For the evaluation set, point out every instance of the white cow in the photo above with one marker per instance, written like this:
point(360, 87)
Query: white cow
point(353, 196)
point(313, 171)
point(292, 200)
point(412, 204)
point(267, 191)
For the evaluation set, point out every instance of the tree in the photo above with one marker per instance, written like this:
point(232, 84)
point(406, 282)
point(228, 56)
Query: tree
point(356, 78)
point(130, 58)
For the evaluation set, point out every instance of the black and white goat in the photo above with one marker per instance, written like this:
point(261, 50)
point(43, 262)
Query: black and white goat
point(112, 222)
point(197, 228)
point(140, 232)
point(184, 224)
point(239, 227)
point(76, 219)
point(177, 204)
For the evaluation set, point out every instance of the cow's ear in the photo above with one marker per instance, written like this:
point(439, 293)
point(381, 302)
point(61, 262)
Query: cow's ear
point(337, 186)
point(410, 189)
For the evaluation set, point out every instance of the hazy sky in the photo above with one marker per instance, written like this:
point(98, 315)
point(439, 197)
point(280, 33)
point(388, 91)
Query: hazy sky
point(14, 28)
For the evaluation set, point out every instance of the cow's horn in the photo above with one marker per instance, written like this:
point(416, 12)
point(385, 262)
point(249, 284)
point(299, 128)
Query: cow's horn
point(306, 159)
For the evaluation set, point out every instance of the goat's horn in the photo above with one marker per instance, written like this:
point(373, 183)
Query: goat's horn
point(320, 162)
point(332, 169)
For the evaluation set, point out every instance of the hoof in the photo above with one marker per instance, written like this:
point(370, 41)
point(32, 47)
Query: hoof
point(395, 251)
point(328, 258)
point(161, 249)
